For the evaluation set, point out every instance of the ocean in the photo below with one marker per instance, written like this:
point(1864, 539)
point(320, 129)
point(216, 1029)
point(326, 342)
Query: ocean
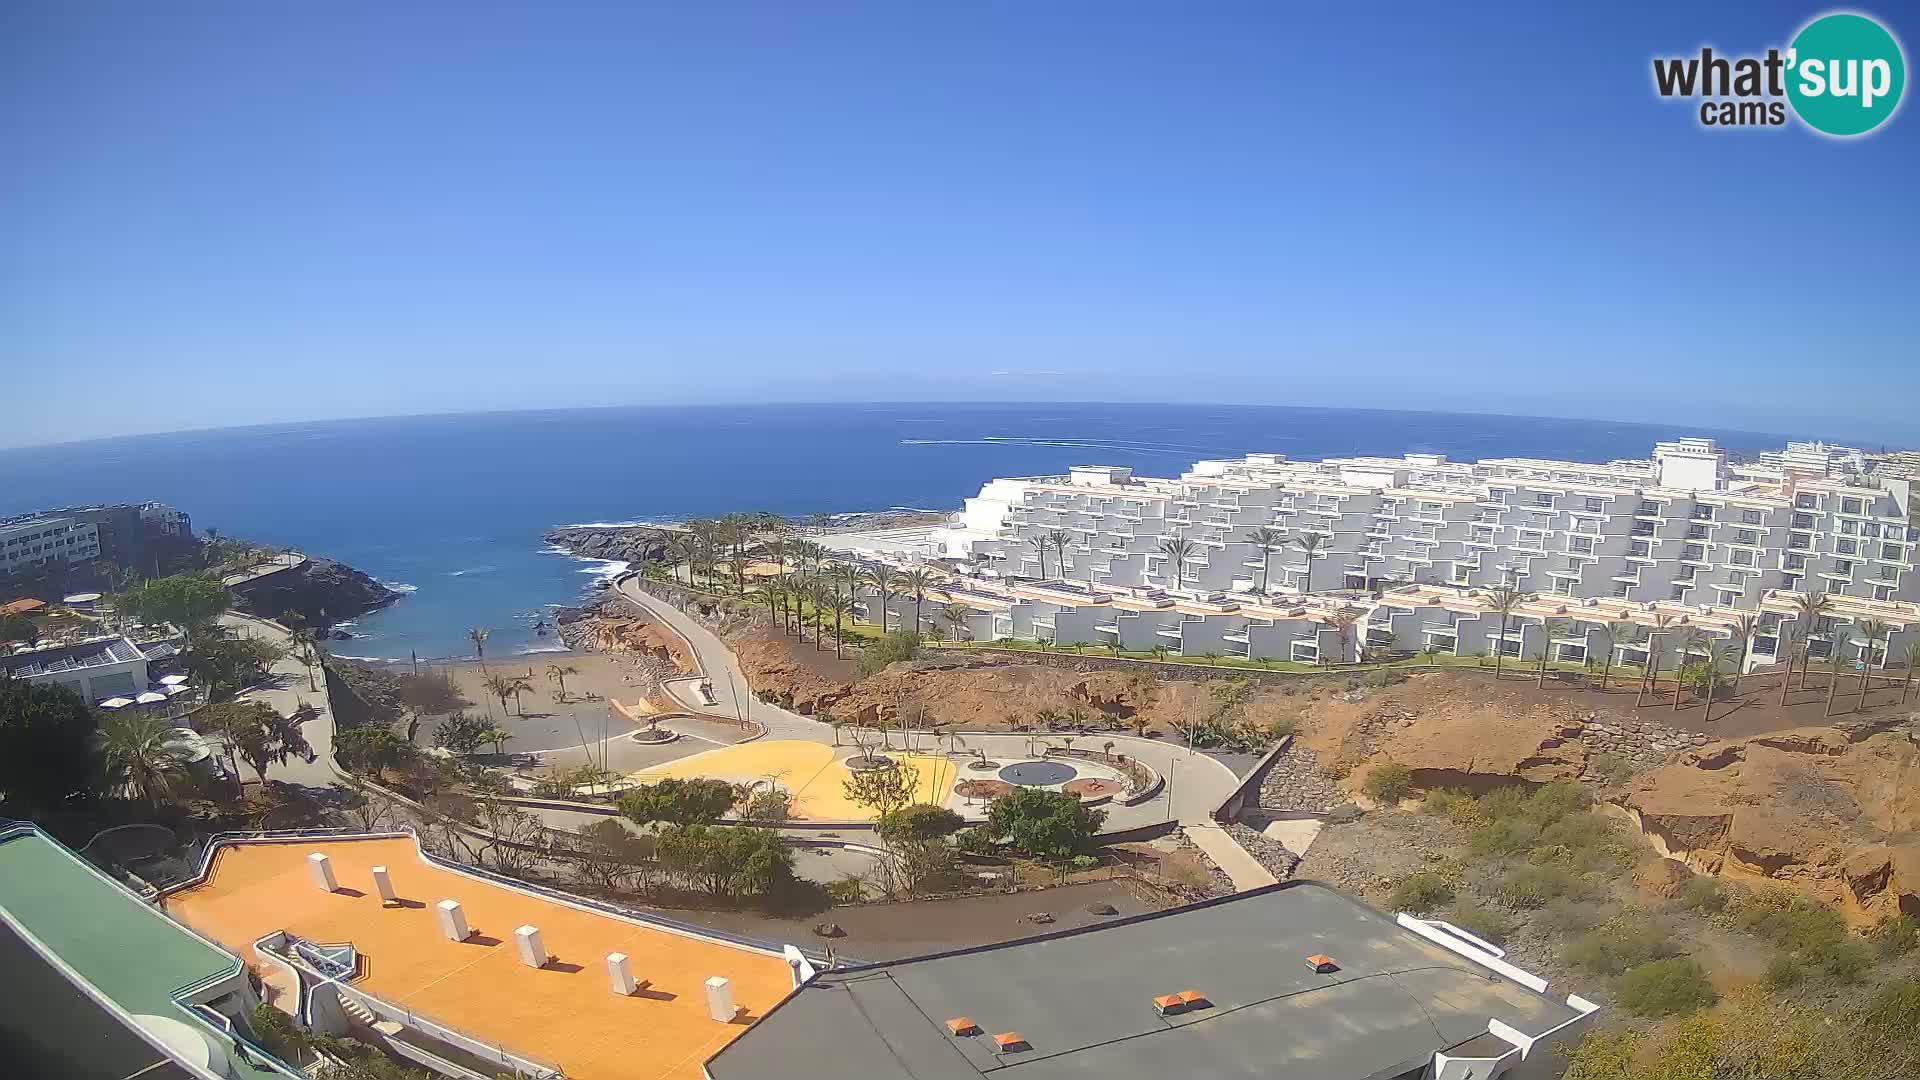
point(450, 509)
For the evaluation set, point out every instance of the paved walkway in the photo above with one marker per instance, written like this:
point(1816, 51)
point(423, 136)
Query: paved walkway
point(718, 665)
point(1228, 855)
point(286, 690)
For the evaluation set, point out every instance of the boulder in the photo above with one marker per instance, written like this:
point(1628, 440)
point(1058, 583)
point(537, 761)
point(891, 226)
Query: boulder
point(1663, 878)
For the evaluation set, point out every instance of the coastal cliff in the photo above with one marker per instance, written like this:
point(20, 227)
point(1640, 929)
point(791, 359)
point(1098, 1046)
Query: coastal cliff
point(315, 593)
point(634, 544)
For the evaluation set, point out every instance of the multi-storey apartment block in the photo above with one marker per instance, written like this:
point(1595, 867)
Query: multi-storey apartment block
point(1265, 557)
point(30, 543)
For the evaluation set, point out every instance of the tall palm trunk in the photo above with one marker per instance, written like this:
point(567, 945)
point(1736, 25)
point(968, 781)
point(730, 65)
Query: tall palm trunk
point(1499, 648)
point(1833, 681)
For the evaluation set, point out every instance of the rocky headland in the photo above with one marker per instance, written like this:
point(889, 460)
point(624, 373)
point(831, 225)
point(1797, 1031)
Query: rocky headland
point(316, 593)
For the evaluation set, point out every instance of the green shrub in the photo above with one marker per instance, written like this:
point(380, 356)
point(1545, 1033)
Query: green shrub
point(1389, 783)
point(1481, 922)
point(1784, 972)
point(1447, 802)
point(1895, 1010)
point(898, 645)
point(1613, 768)
point(1810, 934)
point(1552, 802)
point(1421, 893)
point(1529, 887)
point(1382, 677)
point(1594, 843)
point(1568, 917)
point(1895, 935)
point(1502, 803)
point(1666, 987)
point(1551, 855)
point(1622, 942)
point(1504, 836)
point(1702, 894)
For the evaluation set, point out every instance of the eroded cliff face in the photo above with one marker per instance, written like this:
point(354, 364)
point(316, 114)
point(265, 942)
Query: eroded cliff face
point(1811, 809)
point(316, 593)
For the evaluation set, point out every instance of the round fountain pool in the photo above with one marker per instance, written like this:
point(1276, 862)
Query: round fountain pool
point(1038, 773)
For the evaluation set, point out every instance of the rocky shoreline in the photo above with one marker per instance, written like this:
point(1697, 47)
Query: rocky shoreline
point(641, 543)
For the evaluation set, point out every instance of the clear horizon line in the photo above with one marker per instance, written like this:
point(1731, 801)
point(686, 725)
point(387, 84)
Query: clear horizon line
point(922, 403)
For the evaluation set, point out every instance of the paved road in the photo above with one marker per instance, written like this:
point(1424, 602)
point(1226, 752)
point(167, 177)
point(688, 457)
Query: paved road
point(287, 690)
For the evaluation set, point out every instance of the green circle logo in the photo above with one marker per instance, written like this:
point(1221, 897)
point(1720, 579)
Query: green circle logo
point(1845, 74)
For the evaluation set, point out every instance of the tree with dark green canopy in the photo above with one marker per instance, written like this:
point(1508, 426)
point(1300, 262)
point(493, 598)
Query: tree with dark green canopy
point(46, 745)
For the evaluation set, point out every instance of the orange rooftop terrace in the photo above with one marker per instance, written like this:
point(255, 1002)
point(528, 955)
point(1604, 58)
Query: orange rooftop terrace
point(564, 1013)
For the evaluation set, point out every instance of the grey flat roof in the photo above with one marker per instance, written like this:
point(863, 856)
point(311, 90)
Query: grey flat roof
point(25, 665)
point(1083, 1000)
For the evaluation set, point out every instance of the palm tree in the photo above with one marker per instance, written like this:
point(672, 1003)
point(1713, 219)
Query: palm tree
point(1913, 661)
point(1176, 549)
point(955, 616)
point(498, 686)
point(1810, 609)
point(479, 635)
point(681, 547)
point(1549, 629)
point(519, 685)
point(559, 672)
point(1040, 542)
point(839, 603)
point(1793, 642)
point(140, 755)
point(1745, 625)
point(882, 578)
point(1309, 544)
point(1689, 640)
point(1501, 598)
point(915, 583)
point(1836, 639)
point(1875, 631)
point(1617, 633)
point(1061, 539)
point(1343, 624)
point(1650, 675)
point(302, 643)
point(851, 575)
point(1716, 654)
point(1264, 540)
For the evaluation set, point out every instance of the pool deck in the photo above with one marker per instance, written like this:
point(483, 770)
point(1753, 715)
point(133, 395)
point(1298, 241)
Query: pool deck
point(562, 1014)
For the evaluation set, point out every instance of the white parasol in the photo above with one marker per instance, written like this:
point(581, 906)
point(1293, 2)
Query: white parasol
point(116, 703)
point(150, 698)
point(173, 680)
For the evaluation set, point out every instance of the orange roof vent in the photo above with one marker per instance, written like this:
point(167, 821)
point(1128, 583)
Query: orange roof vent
point(1322, 963)
point(1168, 1004)
point(1194, 999)
point(962, 1025)
point(1008, 1042)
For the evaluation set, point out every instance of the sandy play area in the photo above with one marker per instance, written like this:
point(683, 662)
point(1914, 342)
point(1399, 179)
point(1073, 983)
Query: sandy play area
point(814, 773)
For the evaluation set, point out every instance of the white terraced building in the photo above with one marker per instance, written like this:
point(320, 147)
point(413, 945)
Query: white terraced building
point(1684, 533)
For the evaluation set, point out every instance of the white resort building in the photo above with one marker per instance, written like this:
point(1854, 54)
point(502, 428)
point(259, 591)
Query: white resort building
point(1397, 554)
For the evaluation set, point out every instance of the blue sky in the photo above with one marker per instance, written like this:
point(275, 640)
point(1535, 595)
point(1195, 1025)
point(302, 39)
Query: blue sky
point(240, 213)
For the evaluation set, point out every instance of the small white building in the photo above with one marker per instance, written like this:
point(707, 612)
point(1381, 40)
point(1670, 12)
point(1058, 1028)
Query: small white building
point(96, 670)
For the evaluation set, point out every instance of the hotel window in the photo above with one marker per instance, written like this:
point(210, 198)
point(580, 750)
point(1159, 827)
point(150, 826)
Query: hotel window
point(1741, 558)
point(1849, 506)
point(1883, 592)
point(1620, 589)
point(1890, 551)
point(1803, 521)
point(1868, 528)
point(1680, 592)
point(1745, 536)
point(1684, 573)
point(1805, 502)
point(1729, 597)
point(1564, 586)
point(1461, 575)
point(1581, 544)
point(1751, 517)
point(1849, 528)
point(1595, 504)
point(1542, 498)
point(1693, 552)
point(1843, 567)
point(1529, 539)
point(1497, 496)
point(1795, 562)
point(1800, 541)
point(1640, 548)
point(1702, 513)
point(1846, 547)
point(1696, 532)
point(1888, 573)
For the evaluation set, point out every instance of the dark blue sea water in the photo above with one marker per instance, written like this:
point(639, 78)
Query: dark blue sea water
point(451, 508)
